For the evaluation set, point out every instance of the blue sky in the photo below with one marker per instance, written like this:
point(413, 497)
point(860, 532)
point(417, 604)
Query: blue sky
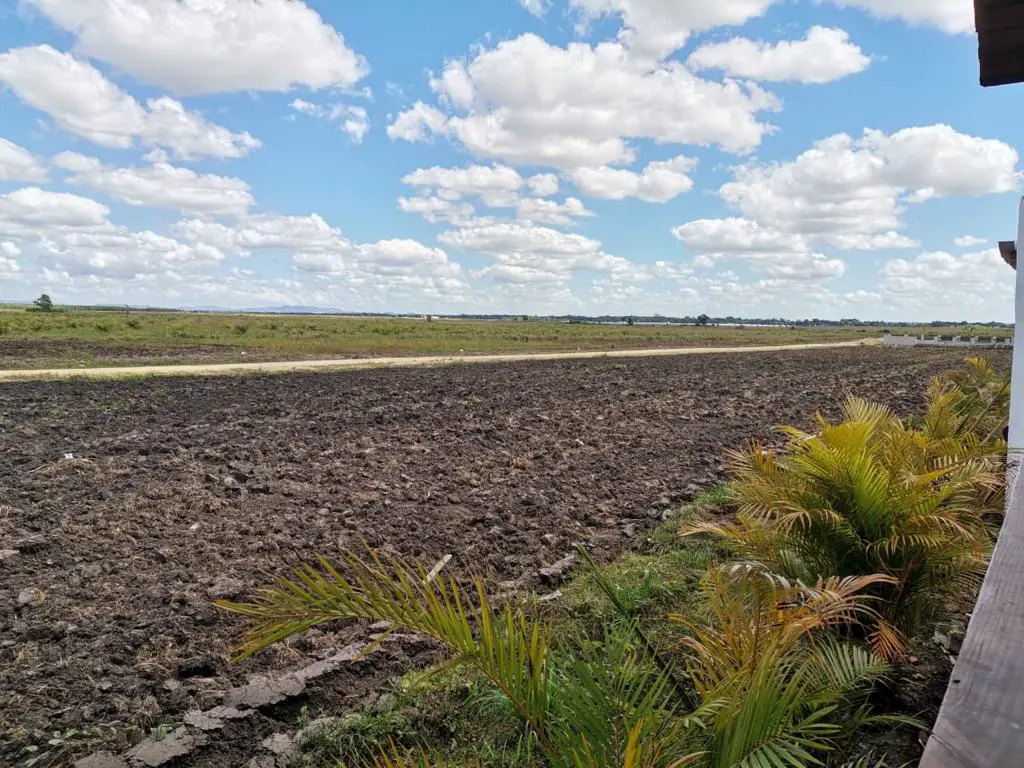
point(798, 158)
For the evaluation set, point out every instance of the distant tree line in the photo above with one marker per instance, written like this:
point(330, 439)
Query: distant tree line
point(734, 320)
point(45, 304)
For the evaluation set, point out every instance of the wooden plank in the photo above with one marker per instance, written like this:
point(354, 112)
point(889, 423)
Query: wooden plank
point(1000, 18)
point(1008, 250)
point(995, 72)
point(1002, 40)
point(981, 723)
point(1001, 55)
point(1009, 74)
point(1000, 25)
point(987, 10)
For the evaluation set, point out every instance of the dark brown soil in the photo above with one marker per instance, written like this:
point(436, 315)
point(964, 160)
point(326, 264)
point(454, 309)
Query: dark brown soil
point(175, 484)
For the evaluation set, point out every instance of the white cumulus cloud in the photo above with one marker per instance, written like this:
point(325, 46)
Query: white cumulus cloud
point(528, 102)
point(768, 252)
point(303, 234)
point(73, 235)
point(18, 164)
point(471, 180)
point(119, 252)
point(318, 248)
point(538, 8)
point(353, 120)
point(658, 27)
point(395, 257)
point(161, 185)
point(532, 247)
point(435, 209)
point(25, 209)
point(959, 286)
point(659, 182)
point(969, 241)
point(824, 55)
point(736, 236)
point(551, 211)
point(497, 186)
point(950, 16)
point(390, 270)
point(10, 269)
point(81, 100)
point(852, 193)
point(543, 184)
point(514, 274)
point(194, 47)
point(419, 123)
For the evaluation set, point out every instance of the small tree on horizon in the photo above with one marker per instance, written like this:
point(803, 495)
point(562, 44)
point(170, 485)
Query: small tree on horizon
point(43, 304)
point(703, 320)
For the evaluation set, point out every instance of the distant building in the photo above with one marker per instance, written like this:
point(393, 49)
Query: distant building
point(977, 342)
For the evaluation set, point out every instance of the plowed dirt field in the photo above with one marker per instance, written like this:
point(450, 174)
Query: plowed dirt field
point(127, 506)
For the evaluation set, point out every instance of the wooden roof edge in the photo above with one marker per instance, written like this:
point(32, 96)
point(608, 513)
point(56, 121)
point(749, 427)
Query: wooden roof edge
point(1008, 250)
point(1000, 28)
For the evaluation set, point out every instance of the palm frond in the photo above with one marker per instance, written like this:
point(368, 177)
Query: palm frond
point(603, 699)
point(585, 711)
point(844, 668)
point(873, 495)
point(414, 758)
point(508, 647)
point(777, 690)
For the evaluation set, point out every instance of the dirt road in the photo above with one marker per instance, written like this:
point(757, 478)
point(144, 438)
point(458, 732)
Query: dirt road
point(309, 366)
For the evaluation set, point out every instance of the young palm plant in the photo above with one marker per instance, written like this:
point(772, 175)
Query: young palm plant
point(582, 711)
point(867, 495)
point(971, 408)
point(767, 688)
point(974, 402)
point(783, 690)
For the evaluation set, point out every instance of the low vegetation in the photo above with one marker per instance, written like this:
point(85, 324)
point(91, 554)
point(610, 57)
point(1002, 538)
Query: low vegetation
point(87, 337)
point(759, 636)
point(867, 496)
point(755, 691)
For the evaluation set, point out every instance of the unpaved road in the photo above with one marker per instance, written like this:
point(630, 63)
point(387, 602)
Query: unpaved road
point(309, 366)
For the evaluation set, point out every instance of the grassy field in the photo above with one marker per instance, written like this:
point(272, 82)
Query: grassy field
point(82, 338)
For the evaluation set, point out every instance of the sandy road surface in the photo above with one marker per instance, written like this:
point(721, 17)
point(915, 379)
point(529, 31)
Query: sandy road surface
point(309, 366)
point(227, 369)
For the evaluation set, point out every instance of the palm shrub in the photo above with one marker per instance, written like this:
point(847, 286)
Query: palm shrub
point(765, 686)
point(581, 712)
point(869, 494)
point(782, 689)
point(972, 405)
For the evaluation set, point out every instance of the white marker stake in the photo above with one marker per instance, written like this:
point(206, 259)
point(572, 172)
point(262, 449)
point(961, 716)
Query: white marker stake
point(1016, 436)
